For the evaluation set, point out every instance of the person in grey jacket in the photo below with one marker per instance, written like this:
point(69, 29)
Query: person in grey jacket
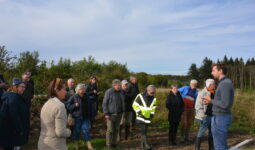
point(222, 103)
point(113, 108)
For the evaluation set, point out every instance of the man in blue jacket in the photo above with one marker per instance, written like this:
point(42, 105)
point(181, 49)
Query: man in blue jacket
point(189, 95)
point(222, 104)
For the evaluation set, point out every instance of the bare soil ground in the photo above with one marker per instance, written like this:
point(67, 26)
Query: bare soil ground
point(158, 137)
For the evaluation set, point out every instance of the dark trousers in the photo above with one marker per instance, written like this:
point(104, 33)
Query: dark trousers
point(143, 128)
point(133, 117)
point(173, 128)
point(8, 148)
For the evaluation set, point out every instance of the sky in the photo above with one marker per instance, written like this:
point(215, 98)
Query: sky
point(153, 36)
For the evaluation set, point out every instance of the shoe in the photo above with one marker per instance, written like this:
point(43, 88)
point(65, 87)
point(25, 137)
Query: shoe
point(89, 145)
point(127, 132)
point(198, 143)
point(210, 144)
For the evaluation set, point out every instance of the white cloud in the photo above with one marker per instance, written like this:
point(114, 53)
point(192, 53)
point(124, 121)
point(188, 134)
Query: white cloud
point(140, 33)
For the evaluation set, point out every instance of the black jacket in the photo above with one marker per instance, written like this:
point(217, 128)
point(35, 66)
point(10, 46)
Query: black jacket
point(90, 92)
point(28, 93)
point(14, 130)
point(128, 101)
point(209, 111)
point(175, 105)
point(114, 102)
point(133, 90)
point(81, 112)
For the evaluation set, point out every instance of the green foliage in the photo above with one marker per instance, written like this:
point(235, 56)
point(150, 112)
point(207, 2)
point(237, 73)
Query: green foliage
point(5, 59)
point(27, 60)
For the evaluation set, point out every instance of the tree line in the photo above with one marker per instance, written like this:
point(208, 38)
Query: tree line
point(13, 65)
point(240, 72)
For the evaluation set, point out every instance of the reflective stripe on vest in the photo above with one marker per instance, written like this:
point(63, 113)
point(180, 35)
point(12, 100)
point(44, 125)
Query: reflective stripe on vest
point(144, 104)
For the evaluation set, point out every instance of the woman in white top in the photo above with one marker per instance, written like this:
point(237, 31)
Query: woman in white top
point(54, 129)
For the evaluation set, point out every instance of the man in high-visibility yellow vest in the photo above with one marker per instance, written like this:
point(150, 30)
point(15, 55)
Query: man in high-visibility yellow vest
point(145, 106)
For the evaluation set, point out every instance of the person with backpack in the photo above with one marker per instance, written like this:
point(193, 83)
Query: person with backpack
point(14, 123)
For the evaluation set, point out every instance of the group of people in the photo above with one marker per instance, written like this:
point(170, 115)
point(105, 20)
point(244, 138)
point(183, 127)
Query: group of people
point(72, 109)
point(118, 105)
point(76, 106)
point(211, 106)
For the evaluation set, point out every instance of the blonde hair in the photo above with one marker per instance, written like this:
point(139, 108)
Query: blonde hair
point(13, 88)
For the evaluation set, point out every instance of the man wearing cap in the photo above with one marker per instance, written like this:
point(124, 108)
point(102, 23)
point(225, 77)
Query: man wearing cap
point(204, 114)
point(189, 95)
point(113, 108)
point(127, 115)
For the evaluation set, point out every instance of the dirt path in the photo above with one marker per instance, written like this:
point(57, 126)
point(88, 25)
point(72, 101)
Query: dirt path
point(158, 137)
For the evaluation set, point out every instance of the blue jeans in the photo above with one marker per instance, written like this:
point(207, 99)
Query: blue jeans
point(220, 126)
point(204, 125)
point(83, 125)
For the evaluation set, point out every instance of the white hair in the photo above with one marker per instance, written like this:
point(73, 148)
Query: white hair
point(151, 87)
point(208, 82)
point(69, 80)
point(193, 81)
point(80, 86)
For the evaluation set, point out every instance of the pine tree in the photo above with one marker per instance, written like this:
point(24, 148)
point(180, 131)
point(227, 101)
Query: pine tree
point(231, 61)
point(205, 70)
point(225, 60)
point(193, 72)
